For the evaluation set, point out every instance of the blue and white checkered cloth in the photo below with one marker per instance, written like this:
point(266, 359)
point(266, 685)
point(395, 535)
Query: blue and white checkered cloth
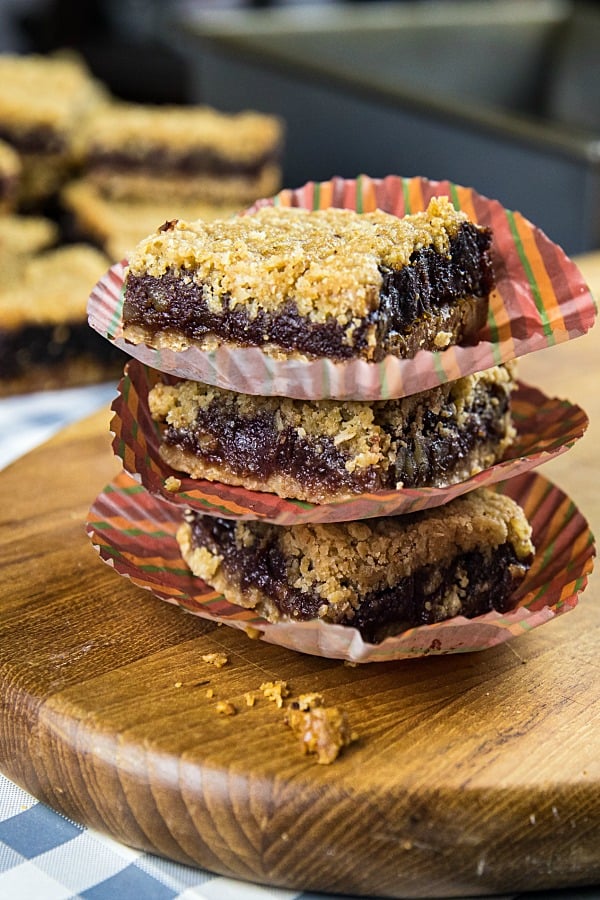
point(43, 855)
point(30, 419)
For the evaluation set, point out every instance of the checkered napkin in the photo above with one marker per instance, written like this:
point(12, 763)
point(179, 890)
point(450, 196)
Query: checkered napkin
point(29, 419)
point(44, 856)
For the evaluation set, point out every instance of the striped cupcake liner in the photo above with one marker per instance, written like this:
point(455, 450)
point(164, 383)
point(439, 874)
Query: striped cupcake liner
point(545, 428)
point(134, 532)
point(540, 300)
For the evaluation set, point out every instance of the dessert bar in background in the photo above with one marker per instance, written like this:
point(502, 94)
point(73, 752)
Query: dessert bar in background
point(78, 166)
point(45, 340)
point(116, 226)
point(44, 101)
point(380, 576)
point(329, 283)
point(325, 450)
point(22, 237)
point(10, 176)
point(178, 154)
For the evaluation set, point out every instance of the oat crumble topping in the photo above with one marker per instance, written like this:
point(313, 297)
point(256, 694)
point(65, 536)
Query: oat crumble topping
point(328, 261)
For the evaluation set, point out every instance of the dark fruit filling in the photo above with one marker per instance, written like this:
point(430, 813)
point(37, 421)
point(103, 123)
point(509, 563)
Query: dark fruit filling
point(161, 160)
point(254, 447)
point(38, 345)
point(415, 600)
point(429, 286)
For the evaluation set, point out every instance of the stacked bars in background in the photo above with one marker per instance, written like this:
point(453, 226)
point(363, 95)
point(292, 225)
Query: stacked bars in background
point(83, 177)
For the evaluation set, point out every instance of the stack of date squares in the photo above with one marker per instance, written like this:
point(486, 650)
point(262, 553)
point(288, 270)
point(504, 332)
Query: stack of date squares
point(323, 436)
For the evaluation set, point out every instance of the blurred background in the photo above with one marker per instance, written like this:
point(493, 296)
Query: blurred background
point(502, 95)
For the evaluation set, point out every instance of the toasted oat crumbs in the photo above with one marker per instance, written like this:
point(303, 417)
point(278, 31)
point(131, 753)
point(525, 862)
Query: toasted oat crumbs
point(322, 730)
point(218, 660)
point(329, 261)
point(275, 691)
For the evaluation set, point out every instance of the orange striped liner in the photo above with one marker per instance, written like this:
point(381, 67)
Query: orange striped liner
point(326, 194)
point(465, 198)
point(368, 194)
point(540, 274)
point(151, 560)
point(415, 193)
point(545, 428)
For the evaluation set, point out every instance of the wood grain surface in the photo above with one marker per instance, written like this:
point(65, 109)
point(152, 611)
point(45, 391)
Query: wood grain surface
point(472, 774)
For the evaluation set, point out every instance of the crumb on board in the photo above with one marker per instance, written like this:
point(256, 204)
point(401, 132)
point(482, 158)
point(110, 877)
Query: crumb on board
point(322, 730)
point(215, 659)
point(275, 691)
point(172, 484)
point(253, 633)
point(307, 701)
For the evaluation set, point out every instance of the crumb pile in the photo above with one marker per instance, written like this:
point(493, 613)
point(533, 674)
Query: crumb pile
point(322, 731)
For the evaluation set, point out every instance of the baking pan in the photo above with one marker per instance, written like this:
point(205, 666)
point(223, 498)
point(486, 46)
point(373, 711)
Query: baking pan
point(502, 96)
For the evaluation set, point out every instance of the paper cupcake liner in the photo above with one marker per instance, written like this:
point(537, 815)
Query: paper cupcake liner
point(541, 299)
point(545, 428)
point(134, 532)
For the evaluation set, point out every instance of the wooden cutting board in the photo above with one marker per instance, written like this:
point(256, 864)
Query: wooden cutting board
point(472, 774)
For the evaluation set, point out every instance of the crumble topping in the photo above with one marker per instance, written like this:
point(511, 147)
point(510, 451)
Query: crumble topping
point(327, 261)
point(331, 570)
point(137, 128)
point(344, 562)
point(117, 225)
point(322, 730)
point(218, 660)
point(53, 287)
point(21, 236)
point(275, 691)
point(50, 92)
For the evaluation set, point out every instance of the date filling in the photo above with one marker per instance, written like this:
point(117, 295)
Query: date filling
point(425, 455)
point(430, 286)
point(479, 581)
point(33, 346)
point(161, 160)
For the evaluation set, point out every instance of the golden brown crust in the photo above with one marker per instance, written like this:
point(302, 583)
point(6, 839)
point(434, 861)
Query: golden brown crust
point(10, 175)
point(327, 261)
point(44, 101)
point(136, 128)
point(118, 225)
point(46, 91)
point(20, 238)
point(52, 288)
point(322, 730)
point(234, 190)
point(74, 372)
